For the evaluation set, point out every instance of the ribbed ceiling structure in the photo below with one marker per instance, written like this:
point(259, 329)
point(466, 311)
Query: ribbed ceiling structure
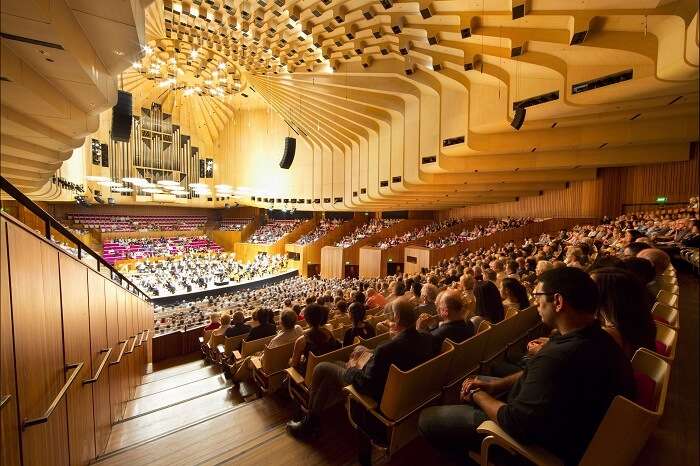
point(416, 99)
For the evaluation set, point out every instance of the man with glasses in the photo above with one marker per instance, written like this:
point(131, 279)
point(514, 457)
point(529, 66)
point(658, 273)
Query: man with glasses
point(560, 397)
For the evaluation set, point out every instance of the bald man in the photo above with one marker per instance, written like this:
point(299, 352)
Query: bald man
point(452, 312)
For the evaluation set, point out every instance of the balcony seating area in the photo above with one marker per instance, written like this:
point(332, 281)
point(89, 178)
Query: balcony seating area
point(234, 224)
point(141, 248)
point(366, 230)
point(273, 231)
point(110, 223)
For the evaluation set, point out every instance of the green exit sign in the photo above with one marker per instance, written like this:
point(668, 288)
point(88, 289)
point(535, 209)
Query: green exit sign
point(661, 200)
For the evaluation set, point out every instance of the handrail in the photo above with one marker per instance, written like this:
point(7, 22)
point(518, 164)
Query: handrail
point(144, 336)
point(121, 353)
point(141, 338)
point(51, 222)
point(4, 400)
point(132, 345)
point(42, 419)
point(102, 366)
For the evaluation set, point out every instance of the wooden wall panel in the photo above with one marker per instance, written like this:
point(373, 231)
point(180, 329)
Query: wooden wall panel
point(606, 195)
point(36, 306)
point(371, 263)
point(416, 258)
point(76, 348)
point(332, 265)
point(98, 347)
point(9, 425)
point(116, 342)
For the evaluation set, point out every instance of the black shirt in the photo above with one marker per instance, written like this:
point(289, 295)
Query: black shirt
point(406, 350)
point(261, 331)
point(365, 332)
point(237, 329)
point(457, 331)
point(565, 391)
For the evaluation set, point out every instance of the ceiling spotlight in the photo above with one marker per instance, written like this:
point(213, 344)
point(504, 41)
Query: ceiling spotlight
point(222, 66)
point(136, 65)
point(148, 50)
point(194, 53)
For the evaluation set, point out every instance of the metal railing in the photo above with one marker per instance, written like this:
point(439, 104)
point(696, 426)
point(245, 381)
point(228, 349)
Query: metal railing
point(50, 222)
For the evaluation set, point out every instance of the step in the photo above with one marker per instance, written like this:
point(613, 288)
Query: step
point(162, 399)
point(171, 382)
point(218, 436)
point(160, 374)
point(159, 422)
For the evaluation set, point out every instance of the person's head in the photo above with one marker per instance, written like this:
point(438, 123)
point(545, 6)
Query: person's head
point(658, 258)
point(429, 293)
point(297, 309)
point(357, 313)
point(490, 274)
point(640, 268)
point(371, 292)
point(416, 287)
point(450, 306)
point(625, 304)
point(512, 267)
point(632, 249)
point(225, 320)
point(488, 302)
point(405, 315)
point(604, 261)
point(513, 290)
point(542, 267)
point(466, 283)
point(359, 297)
point(399, 288)
point(342, 306)
point(238, 317)
point(287, 303)
point(288, 319)
point(315, 315)
point(565, 297)
point(215, 317)
point(632, 235)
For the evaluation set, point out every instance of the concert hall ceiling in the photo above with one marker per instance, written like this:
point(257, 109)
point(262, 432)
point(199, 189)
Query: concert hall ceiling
point(394, 104)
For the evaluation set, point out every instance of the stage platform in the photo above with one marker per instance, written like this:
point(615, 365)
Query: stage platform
point(214, 290)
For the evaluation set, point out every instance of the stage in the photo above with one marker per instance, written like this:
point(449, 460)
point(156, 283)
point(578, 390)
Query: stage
point(214, 290)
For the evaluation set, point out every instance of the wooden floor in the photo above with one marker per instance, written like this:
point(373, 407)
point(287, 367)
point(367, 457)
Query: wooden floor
point(187, 414)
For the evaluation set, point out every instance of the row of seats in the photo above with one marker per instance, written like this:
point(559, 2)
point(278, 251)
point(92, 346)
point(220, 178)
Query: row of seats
point(234, 224)
point(111, 223)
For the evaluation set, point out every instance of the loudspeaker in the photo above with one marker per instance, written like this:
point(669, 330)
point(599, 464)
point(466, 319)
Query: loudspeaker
point(105, 155)
point(290, 146)
point(121, 117)
point(519, 118)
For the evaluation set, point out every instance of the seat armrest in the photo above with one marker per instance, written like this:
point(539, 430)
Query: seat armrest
point(366, 401)
point(494, 434)
point(236, 354)
point(257, 364)
point(221, 349)
point(295, 376)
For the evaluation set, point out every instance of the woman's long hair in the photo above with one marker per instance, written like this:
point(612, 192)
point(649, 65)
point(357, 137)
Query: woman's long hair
point(625, 303)
point(488, 302)
point(517, 291)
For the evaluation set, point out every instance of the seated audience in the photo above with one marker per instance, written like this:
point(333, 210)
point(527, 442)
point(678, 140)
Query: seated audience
point(454, 325)
point(625, 310)
point(406, 350)
point(489, 306)
point(289, 331)
point(264, 325)
point(239, 327)
point(374, 299)
point(360, 328)
point(514, 295)
point(214, 322)
point(316, 339)
point(550, 403)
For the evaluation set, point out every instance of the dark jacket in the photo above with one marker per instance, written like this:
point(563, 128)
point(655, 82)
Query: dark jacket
point(406, 350)
point(261, 331)
point(457, 331)
point(365, 332)
point(237, 329)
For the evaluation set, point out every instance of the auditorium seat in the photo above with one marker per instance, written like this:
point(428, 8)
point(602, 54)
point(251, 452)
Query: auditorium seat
point(666, 315)
point(619, 438)
point(667, 298)
point(248, 349)
point(666, 341)
point(405, 394)
point(483, 326)
point(230, 345)
point(269, 368)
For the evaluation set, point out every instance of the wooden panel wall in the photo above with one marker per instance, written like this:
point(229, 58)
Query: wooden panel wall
point(605, 195)
point(332, 265)
point(54, 311)
point(9, 427)
point(371, 262)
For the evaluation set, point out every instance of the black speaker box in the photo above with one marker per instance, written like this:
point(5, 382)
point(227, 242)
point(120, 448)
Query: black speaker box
point(105, 155)
point(121, 117)
point(519, 118)
point(290, 146)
